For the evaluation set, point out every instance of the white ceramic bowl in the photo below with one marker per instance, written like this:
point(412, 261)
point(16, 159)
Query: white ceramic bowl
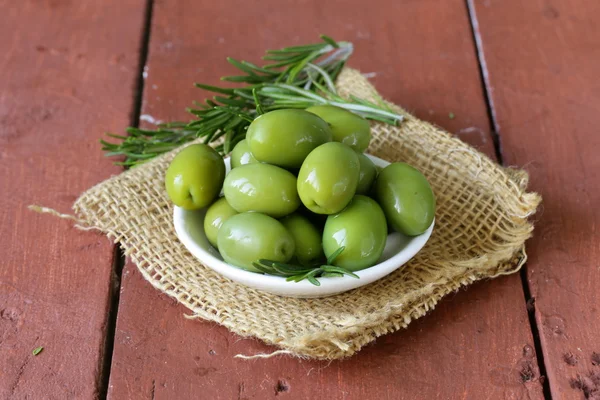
point(399, 249)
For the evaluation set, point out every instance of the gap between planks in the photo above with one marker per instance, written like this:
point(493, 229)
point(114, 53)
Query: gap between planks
point(495, 132)
point(119, 257)
point(111, 321)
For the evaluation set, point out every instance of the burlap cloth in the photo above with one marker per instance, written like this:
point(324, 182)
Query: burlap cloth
point(481, 227)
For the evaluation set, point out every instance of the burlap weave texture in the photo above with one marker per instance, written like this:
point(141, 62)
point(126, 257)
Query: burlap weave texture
point(481, 227)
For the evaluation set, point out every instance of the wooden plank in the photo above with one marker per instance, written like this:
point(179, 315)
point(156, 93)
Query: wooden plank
point(68, 74)
point(472, 346)
point(476, 344)
point(543, 60)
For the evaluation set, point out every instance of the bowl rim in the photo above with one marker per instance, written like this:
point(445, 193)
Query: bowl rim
point(279, 285)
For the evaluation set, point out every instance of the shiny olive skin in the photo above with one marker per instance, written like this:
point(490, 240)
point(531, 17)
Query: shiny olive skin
point(195, 177)
point(362, 229)
point(285, 137)
point(241, 155)
point(406, 198)
point(262, 188)
point(328, 178)
point(347, 127)
point(367, 174)
point(219, 212)
point(306, 237)
point(248, 237)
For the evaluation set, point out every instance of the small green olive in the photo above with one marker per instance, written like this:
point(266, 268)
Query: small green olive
point(306, 237)
point(360, 228)
point(219, 212)
point(195, 177)
point(248, 237)
point(347, 127)
point(367, 174)
point(328, 178)
point(406, 198)
point(262, 188)
point(285, 137)
point(241, 155)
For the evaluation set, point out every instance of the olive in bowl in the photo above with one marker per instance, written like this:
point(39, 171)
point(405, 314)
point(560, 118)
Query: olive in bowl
point(247, 237)
point(346, 127)
point(307, 238)
point(367, 174)
point(285, 137)
point(262, 188)
point(219, 212)
point(241, 155)
point(361, 229)
point(406, 198)
point(328, 178)
point(195, 177)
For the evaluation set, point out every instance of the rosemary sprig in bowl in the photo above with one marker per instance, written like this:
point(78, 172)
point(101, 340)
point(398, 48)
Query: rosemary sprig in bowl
point(294, 77)
point(297, 273)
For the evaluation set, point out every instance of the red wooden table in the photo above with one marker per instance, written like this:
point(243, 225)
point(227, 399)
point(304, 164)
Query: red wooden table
point(521, 79)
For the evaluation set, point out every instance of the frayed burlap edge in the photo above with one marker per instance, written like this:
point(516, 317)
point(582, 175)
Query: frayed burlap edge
point(480, 233)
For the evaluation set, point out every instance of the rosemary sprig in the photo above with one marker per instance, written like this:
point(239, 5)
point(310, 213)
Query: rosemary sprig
point(294, 77)
point(297, 273)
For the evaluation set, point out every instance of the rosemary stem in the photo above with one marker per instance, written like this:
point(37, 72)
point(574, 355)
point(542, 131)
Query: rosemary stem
point(358, 107)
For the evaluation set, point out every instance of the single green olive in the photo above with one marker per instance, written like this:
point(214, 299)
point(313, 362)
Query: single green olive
point(241, 155)
point(248, 237)
point(367, 175)
point(219, 212)
point(328, 178)
point(195, 177)
point(406, 198)
point(262, 188)
point(285, 137)
point(347, 127)
point(361, 228)
point(306, 237)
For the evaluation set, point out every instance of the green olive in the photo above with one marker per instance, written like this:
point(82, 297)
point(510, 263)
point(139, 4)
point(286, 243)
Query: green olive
point(306, 237)
point(328, 178)
point(241, 155)
point(367, 174)
point(406, 198)
point(262, 188)
point(219, 212)
point(195, 177)
point(361, 228)
point(347, 127)
point(285, 137)
point(248, 237)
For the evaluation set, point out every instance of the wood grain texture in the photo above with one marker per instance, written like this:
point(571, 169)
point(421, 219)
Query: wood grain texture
point(67, 74)
point(543, 60)
point(476, 344)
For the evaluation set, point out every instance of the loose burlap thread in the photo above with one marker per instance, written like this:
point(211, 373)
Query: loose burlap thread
point(481, 227)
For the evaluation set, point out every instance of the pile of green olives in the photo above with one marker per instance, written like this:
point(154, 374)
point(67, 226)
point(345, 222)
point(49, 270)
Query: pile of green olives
point(300, 188)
